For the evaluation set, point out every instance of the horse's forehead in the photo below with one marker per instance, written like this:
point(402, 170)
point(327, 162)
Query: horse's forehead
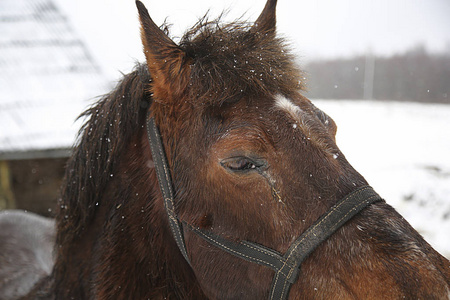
point(268, 107)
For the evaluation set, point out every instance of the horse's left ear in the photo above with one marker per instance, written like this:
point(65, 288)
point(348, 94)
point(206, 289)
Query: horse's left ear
point(266, 22)
point(167, 63)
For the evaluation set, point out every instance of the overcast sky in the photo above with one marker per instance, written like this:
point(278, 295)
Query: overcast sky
point(317, 28)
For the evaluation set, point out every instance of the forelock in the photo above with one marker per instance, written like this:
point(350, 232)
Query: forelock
point(232, 60)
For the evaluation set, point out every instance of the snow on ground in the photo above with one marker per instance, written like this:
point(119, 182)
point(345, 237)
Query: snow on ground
point(403, 150)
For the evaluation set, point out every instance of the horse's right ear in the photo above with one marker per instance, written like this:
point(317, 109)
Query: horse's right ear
point(266, 21)
point(167, 63)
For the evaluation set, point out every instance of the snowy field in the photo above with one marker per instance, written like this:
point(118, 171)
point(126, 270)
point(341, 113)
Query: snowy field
point(403, 151)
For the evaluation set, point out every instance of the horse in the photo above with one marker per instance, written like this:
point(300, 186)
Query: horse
point(206, 174)
point(26, 243)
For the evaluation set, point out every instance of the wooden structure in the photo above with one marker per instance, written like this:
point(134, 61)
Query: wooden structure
point(48, 78)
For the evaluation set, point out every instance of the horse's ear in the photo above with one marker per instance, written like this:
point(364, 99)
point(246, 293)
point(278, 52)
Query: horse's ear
point(266, 22)
point(166, 62)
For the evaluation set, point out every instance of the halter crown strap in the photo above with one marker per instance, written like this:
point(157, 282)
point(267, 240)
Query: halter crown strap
point(165, 184)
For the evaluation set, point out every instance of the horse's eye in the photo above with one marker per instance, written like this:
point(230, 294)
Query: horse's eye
point(240, 164)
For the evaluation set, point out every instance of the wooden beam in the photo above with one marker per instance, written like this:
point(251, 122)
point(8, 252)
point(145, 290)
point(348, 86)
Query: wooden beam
point(6, 193)
point(36, 154)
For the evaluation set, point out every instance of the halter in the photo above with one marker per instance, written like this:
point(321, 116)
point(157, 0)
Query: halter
point(287, 266)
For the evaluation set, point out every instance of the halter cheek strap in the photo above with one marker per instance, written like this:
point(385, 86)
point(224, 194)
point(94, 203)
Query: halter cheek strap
point(165, 184)
point(287, 266)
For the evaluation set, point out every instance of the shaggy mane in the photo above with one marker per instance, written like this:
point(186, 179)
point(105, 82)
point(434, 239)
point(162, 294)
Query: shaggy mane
point(111, 123)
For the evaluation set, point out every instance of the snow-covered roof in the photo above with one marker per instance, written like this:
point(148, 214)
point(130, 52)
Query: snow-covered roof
point(47, 78)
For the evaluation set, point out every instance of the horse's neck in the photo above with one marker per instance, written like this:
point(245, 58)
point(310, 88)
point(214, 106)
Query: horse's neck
point(137, 257)
point(127, 251)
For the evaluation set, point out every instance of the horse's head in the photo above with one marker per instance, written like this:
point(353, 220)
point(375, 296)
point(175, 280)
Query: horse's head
point(251, 158)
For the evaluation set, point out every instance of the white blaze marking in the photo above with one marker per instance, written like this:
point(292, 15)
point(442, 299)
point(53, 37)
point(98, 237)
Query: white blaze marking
point(304, 122)
point(285, 104)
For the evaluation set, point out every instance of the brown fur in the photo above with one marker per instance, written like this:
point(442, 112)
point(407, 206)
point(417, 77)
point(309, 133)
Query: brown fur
point(212, 97)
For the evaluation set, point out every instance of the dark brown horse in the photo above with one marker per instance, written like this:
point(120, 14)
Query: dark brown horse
point(252, 162)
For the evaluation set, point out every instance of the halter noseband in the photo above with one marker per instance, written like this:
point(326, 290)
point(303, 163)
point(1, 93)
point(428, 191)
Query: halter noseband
point(286, 266)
